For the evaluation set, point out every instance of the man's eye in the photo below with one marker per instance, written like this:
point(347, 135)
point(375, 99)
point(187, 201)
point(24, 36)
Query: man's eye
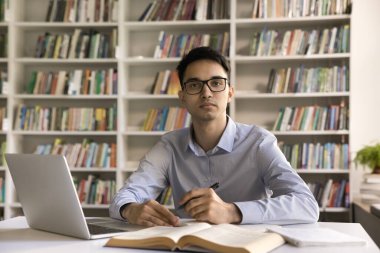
point(216, 83)
point(193, 85)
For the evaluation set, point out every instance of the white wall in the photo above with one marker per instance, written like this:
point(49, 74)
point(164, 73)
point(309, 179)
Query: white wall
point(365, 78)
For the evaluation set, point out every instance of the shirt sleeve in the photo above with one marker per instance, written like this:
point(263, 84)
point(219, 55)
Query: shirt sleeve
point(146, 182)
point(291, 200)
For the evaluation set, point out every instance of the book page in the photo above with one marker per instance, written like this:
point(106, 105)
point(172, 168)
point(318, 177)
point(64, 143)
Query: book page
point(227, 237)
point(174, 233)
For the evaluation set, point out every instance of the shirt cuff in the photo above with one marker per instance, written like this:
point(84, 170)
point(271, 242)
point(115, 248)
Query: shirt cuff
point(251, 213)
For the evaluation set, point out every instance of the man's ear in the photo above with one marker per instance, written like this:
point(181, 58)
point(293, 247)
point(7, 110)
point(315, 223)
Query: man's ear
point(181, 96)
point(231, 93)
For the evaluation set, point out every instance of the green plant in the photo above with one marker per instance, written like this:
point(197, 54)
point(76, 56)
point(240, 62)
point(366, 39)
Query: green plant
point(369, 156)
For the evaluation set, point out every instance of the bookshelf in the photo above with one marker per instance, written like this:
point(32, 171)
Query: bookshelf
point(136, 69)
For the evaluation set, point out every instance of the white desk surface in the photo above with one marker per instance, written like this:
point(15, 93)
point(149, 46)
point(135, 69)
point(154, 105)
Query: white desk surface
point(16, 236)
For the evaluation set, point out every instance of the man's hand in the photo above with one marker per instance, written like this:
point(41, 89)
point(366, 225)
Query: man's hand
point(150, 214)
point(205, 205)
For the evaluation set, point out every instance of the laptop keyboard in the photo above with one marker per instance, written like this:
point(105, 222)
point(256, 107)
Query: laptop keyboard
point(98, 230)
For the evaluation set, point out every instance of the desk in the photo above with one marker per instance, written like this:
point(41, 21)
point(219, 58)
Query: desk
point(370, 222)
point(16, 236)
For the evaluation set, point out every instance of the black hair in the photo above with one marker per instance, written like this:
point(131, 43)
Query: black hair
point(201, 53)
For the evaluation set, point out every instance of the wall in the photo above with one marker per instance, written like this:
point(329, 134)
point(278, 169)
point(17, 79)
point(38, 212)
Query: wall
point(365, 78)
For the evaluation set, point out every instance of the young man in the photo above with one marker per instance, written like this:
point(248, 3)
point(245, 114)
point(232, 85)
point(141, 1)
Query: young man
point(256, 183)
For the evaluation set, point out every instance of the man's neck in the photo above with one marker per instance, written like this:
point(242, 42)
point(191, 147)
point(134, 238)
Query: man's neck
point(208, 133)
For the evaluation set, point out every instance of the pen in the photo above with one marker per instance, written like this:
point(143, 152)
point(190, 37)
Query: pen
point(213, 186)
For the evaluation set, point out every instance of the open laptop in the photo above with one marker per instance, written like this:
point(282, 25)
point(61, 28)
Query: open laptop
point(50, 202)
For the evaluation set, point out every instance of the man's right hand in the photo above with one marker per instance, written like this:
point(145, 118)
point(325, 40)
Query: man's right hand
point(150, 213)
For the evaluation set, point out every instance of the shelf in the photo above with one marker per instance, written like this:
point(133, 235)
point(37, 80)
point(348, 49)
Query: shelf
point(252, 94)
point(326, 132)
point(136, 132)
point(180, 24)
point(141, 60)
point(322, 171)
point(92, 169)
point(312, 20)
point(74, 97)
point(31, 60)
point(261, 59)
point(94, 206)
point(67, 133)
point(3, 168)
point(137, 95)
point(334, 209)
point(50, 25)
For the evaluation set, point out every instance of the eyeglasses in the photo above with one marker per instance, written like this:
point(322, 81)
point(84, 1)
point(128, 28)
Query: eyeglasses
point(214, 84)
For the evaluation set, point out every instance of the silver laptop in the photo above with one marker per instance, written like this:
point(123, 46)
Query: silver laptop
point(50, 202)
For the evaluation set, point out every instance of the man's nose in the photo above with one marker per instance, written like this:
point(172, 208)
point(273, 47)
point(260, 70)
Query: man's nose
point(206, 92)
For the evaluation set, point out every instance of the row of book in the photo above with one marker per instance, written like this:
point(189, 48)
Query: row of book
point(3, 45)
point(88, 154)
point(301, 79)
point(82, 11)
point(40, 118)
point(3, 150)
point(3, 116)
point(312, 118)
point(3, 82)
point(370, 188)
point(331, 193)
point(166, 197)
point(2, 189)
point(75, 82)
point(166, 82)
point(177, 45)
point(78, 45)
point(166, 10)
point(317, 155)
point(300, 42)
point(299, 8)
point(166, 119)
point(94, 190)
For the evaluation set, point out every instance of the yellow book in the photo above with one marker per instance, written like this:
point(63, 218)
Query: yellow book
point(223, 238)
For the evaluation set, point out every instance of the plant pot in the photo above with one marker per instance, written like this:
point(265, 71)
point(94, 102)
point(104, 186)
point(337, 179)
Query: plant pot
point(376, 170)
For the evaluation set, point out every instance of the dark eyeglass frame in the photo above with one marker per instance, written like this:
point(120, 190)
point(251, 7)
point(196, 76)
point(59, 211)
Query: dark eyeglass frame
point(206, 82)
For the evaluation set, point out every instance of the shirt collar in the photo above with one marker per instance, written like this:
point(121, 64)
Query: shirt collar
point(226, 142)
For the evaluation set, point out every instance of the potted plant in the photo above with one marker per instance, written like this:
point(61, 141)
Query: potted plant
point(369, 156)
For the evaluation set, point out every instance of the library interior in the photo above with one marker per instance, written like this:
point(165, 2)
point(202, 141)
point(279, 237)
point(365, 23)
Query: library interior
point(96, 81)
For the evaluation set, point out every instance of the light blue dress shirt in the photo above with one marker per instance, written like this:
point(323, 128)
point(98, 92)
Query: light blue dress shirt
point(250, 168)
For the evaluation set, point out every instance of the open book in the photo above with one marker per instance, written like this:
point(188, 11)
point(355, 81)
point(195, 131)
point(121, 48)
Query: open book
point(198, 235)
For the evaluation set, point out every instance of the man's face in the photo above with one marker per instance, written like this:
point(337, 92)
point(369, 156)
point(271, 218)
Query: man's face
point(206, 105)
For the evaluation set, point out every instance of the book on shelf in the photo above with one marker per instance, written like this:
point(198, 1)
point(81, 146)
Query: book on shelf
point(166, 82)
point(300, 42)
point(195, 235)
point(93, 190)
point(39, 118)
point(166, 119)
point(301, 79)
point(171, 10)
point(295, 9)
point(87, 154)
point(2, 189)
point(81, 11)
point(371, 178)
point(313, 118)
point(78, 45)
point(177, 45)
point(328, 156)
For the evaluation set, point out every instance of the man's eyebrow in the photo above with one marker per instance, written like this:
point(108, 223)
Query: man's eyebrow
point(197, 79)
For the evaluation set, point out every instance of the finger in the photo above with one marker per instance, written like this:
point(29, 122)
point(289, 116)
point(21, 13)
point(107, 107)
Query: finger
point(194, 193)
point(163, 213)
